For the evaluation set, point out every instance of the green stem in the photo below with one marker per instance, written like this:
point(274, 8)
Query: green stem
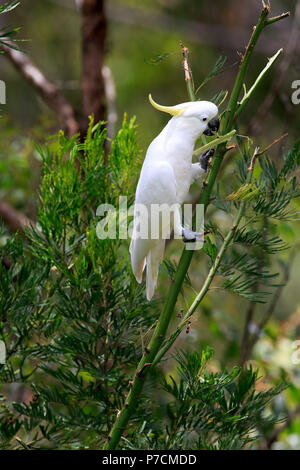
point(215, 143)
point(212, 272)
point(149, 355)
point(248, 94)
point(233, 103)
point(190, 89)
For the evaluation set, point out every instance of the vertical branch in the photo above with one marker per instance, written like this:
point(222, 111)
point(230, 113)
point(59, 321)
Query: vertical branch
point(93, 44)
point(233, 103)
point(272, 305)
point(187, 72)
point(277, 431)
point(110, 93)
point(245, 338)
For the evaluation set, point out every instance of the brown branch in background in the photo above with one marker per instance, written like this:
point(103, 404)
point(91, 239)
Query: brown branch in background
point(187, 72)
point(258, 152)
point(248, 342)
point(278, 18)
point(245, 349)
point(110, 93)
point(217, 35)
point(186, 65)
point(93, 43)
point(266, 4)
point(45, 88)
point(249, 325)
point(13, 218)
point(273, 304)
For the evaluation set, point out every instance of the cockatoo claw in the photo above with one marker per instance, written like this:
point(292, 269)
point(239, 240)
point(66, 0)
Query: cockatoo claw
point(204, 158)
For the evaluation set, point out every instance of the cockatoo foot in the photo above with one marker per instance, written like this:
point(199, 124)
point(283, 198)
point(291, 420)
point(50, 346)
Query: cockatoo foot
point(204, 158)
point(188, 236)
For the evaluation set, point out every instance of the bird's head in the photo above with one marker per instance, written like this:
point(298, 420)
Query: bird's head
point(201, 116)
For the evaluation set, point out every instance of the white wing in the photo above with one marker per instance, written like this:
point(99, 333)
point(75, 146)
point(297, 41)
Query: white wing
point(156, 186)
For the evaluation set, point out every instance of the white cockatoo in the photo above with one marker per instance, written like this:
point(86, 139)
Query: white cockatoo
point(165, 178)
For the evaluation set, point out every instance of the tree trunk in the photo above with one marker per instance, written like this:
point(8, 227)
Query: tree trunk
point(93, 43)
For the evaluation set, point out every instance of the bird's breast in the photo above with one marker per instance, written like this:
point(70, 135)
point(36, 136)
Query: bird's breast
point(179, 154)
point(183, 178)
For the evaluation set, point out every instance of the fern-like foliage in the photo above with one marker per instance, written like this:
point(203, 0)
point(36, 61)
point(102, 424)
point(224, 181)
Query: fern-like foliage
point(207, 410)
point(70, 313)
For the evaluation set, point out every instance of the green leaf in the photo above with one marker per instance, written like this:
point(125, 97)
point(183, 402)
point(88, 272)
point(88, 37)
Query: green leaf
point(157, 59)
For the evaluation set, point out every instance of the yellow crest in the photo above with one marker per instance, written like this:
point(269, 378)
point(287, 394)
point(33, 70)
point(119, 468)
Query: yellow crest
point(173, 110)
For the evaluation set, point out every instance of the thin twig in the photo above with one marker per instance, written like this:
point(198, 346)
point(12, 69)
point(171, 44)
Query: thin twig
point(273, 304)
point(93, 44)
point(245, 61)
point(245, 337)
point(187, 72)
point(248, 94)
point(245, 344)
point(186, 257)
point(277, 18)
point(110, 94)
point(258, 152)
point(290, 52)
point(215, 142)
point(275, 434)
point(14, 219)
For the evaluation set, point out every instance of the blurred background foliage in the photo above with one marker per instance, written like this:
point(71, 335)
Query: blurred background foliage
point(143, 54)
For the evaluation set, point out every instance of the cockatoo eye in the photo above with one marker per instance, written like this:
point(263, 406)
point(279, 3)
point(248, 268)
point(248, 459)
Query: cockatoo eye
point(204, 119)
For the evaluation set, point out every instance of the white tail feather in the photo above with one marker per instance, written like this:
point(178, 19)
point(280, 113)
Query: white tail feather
point(154, 258)
point(138, 251)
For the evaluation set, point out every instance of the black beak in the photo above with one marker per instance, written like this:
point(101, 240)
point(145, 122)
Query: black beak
point(212, 127)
